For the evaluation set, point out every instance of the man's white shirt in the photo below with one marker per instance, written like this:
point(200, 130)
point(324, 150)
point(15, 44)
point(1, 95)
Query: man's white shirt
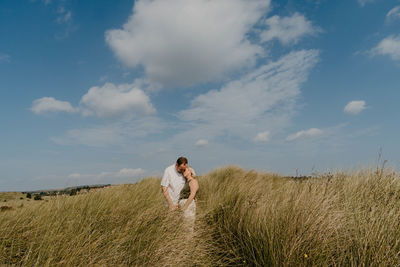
point(174, 181)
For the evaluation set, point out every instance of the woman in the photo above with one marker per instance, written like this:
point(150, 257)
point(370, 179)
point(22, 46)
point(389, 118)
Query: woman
point(187, 202)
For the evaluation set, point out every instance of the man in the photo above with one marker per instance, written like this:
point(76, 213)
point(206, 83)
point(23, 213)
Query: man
point(173, 181)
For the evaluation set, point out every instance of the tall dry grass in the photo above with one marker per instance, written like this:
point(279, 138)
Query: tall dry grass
point(345, 219)
point(244, 218)
point(121, 226)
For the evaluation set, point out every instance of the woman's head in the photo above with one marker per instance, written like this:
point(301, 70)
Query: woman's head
point(189, 172)
point(192, 171)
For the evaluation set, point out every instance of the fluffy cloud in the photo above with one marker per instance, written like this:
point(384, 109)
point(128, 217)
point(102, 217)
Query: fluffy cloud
point(49, 104)
point(354, 107)
point(261, 137)
point(390, 46)
point(288, 29)
point(105, 101)
point(393, 14)
point(313, 132)
point(180, 42)
point(110, 100)
point(201, 142)
point(264, 97)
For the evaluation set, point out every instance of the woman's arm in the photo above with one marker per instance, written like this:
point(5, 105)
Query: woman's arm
point(194, 186)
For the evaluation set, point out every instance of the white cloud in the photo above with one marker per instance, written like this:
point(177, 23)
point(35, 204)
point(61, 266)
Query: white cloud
point(110, 100)
point(49, 104)
point(180, 42)
point(364, 2)
point(393, 14)
point(266, 96)
point(313, 132)
point(390, 46)
point(201, 142)
point(105, 101)
point(261, 137)
point(288, 29)
point(129, 107)
point(354, 107)
point(5, 58)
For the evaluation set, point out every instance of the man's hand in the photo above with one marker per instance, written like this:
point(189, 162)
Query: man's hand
point(173, 207)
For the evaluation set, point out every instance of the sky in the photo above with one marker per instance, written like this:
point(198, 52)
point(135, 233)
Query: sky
point(114, 91)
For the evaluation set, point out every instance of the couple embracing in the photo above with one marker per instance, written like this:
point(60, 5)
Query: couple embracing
point(180, 186)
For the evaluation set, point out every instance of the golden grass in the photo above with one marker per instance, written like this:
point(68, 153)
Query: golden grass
point(14, 200)
point(244, 218)
point(6, 196)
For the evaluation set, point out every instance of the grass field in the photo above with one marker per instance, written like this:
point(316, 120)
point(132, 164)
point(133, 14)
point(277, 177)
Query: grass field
point(245, 218)
point(14, 200)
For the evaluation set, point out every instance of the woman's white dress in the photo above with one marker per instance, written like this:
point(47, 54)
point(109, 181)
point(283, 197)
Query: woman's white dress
point(190, 213)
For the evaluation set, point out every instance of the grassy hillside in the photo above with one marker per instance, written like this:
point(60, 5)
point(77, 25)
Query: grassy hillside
point(244, 218)
point(7, 196)
point(13, 200)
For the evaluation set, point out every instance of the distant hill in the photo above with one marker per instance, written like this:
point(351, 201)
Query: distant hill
point(67, 190)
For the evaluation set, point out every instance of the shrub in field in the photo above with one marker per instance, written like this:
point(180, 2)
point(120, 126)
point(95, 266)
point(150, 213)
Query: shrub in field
point(72, 192)
point(4, 208)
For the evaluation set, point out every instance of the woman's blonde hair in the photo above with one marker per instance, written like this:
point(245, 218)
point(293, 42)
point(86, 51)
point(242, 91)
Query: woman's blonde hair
point(192, 171)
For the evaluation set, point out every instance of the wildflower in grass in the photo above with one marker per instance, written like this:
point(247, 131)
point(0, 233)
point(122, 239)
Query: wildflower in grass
point(305, 256)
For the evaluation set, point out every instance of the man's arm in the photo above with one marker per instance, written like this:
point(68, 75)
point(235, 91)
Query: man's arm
point(164, 187)
point(171, 205)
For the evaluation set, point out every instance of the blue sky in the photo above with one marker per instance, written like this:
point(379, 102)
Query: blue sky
point(114, 91)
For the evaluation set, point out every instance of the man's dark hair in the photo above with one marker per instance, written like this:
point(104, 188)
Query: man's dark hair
point(181, 160)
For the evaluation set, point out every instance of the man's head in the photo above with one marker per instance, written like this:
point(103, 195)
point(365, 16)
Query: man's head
point(181, 164)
